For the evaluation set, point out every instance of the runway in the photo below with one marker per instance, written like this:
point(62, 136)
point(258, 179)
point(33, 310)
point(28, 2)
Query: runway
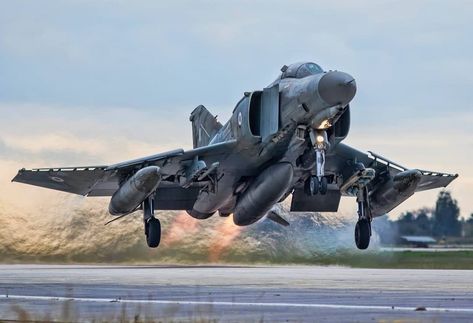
point(234, 293)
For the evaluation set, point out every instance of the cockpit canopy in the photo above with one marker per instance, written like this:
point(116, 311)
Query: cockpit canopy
point(300, 70)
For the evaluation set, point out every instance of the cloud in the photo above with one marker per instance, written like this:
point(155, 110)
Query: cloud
point(147, 54)
point(90, 135)
point(443, 144)
point(54, 142)
point(92, 82)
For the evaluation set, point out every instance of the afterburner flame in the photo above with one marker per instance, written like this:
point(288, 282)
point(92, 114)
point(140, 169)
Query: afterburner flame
point(224, 234)
point(181, 226)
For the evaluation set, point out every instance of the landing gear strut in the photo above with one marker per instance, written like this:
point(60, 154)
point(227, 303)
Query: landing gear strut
point(152, 225)
point(318, 182)
point(363, 226)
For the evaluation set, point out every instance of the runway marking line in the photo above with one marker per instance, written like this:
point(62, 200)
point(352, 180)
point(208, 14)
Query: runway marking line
point(175, 302)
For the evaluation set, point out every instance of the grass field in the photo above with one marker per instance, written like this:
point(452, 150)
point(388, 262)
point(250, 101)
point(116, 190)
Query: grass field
point(401, 259)
point(462, 259)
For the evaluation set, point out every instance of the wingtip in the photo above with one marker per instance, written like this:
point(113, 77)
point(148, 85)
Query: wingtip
point(14, 179)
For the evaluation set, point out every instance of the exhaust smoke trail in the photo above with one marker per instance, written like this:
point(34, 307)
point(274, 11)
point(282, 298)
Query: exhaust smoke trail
point(45, 226)
point(182, 226)
point(72, 230)
point(38, 225)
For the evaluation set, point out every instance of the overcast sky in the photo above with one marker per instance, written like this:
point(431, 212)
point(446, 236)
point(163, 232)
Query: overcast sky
point(100, 81)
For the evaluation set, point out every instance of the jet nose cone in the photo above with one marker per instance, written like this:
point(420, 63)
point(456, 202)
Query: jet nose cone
point(337, 88)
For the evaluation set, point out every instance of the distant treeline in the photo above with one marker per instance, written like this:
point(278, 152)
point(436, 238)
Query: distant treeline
point(442, 222)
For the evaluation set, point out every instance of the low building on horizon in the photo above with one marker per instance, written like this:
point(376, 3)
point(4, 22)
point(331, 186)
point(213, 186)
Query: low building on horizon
point(417, 241)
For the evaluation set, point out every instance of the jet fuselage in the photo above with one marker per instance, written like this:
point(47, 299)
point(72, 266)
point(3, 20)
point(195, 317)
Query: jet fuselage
point(304, 105)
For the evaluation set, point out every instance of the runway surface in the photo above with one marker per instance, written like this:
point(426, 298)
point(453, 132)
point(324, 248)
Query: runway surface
point(233, 293)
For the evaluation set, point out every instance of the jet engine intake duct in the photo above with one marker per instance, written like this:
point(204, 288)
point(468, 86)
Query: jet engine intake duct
point(394, 191)
point(266, 190)
point(135, 190)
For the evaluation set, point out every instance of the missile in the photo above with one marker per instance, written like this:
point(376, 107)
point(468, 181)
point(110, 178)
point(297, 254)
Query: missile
point(267, 189)
point(134, 191)
point(395, 191)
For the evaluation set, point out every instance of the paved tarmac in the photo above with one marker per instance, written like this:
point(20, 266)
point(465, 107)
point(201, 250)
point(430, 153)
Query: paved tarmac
point(234, 294)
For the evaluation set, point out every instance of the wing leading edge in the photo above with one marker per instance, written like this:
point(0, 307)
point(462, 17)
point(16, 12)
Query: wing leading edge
point(104, 180)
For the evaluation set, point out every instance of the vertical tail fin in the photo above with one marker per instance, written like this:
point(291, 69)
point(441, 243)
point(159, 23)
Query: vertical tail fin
point(204, 126)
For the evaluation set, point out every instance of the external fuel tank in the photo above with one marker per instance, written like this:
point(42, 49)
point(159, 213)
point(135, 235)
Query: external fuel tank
point(134, 190)
point(265, 191)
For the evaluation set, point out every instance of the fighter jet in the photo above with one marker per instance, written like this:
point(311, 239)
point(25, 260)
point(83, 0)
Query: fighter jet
point(283, 140)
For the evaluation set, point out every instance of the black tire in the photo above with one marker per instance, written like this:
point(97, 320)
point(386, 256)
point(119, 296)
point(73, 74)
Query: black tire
point(314, 185)
point(362, 234)
point(307, 187)
point(153, 232)
point(323, 185)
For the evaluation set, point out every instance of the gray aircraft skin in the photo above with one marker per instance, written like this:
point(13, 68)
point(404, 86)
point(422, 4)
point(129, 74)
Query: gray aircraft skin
point(283, 140)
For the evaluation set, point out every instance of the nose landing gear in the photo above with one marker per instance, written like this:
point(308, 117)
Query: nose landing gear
point(152, 224)
point(318, 183)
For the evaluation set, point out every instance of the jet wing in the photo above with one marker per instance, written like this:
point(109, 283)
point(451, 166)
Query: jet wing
point(104, 180)
point(77, 180)
point(429, 179)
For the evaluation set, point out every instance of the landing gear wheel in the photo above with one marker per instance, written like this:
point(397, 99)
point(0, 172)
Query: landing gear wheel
point(153, 232)
point(307, 187)
point(323, 185)
point(362, 234)
point(311, 186)
point(152, 225)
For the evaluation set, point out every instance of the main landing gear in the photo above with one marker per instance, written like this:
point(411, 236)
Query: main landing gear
point(363, 226)
point(152, 224)
point(318, 183)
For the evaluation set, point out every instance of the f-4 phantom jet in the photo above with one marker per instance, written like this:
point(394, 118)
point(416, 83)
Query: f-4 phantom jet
point(283, 140)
